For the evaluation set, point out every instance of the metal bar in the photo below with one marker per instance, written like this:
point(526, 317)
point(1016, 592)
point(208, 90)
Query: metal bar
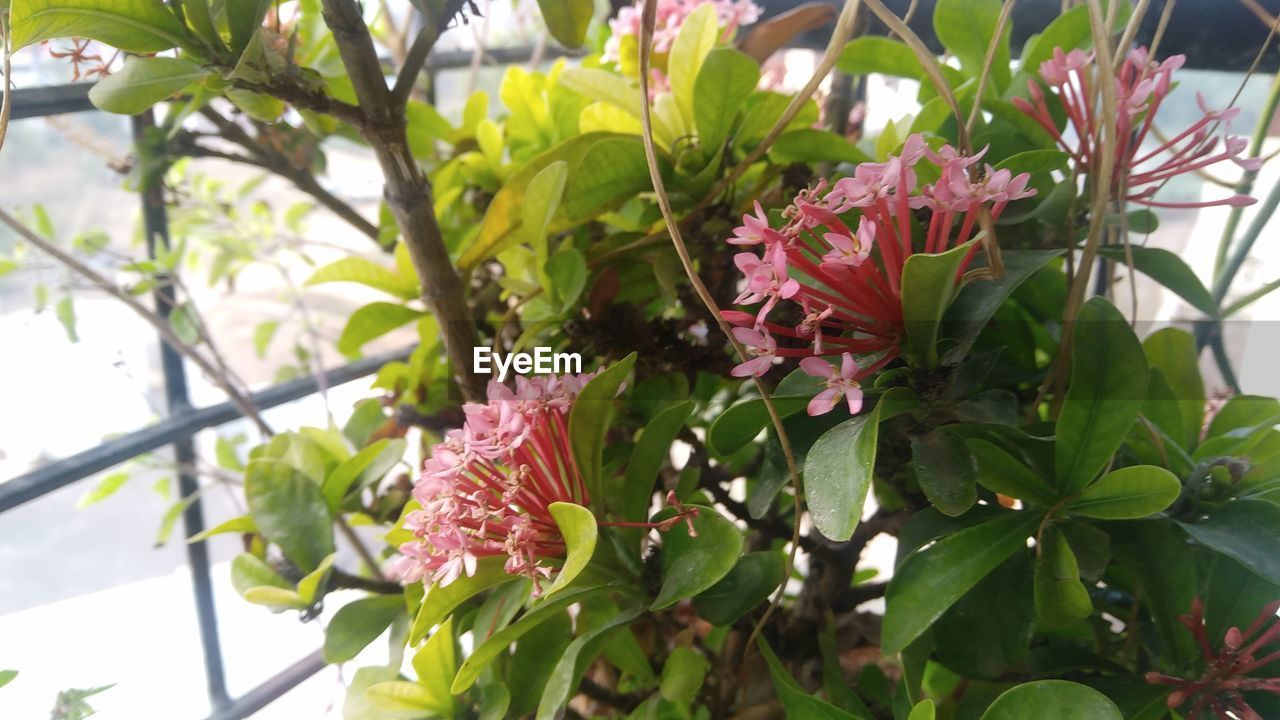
point(47, 478)
point(50, 100)
point(271, 690)
point(178, 400)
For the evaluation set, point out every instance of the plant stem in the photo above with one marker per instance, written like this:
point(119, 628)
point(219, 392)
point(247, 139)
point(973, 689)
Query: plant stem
point(1245, 186)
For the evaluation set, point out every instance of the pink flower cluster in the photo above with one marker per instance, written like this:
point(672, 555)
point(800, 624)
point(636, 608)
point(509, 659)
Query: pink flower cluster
point(1141, 86)
point(671, 14)
point(836, 264)
point(485, 491)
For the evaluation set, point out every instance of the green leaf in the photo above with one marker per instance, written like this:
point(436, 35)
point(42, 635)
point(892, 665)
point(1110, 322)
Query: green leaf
point(696, 37)
point(945, 470)
point(529, 669)
point(1243, 411)
point(740, 423)
point(838, 472)
point(290, 511)
point(136, 26)
point(1052, 700)
point(501, 640)
point(1108, 386)
point(263, 332)
point(1034, 161)
point(690, 565)
point(440, 602)
point(435, 665)
point(589, 422)
point(807, 145)
point(611, 170)
point(647, 458)
point(357, 624)
point(1060, 597)
point(244, 17)
point(999, 472)
point(567, 271)
point(1128, 493)
point(401, 696)
point(7, 676)
point(373, 321)
point(367, 273)
point(923, 710)
point(1233, 596)
point(578, 527)
point(312, 586)
point(1170, 271)
point(65, 311)
point(603, 86)
point(170, 518)
point(1173, 352)
point(932, 579)
point(796, 703)
point(726, 79)
point(105, 488)
point(368, 465)
point(683, 674)
point(185, 323)
point(143, 82)
point(278, 599)
point(1155, 554)
point(988, 632)
point(567, 20)
point(751, 581)
point(874, 54)
point(1247, 531)
point(571, 665)
point(250, 571)
point(928, 285)
point(1068, 31)
point(242, 524)
point(965, 28)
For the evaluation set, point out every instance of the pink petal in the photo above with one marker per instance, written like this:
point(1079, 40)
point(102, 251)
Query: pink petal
point(823, 402)
point(817, 367)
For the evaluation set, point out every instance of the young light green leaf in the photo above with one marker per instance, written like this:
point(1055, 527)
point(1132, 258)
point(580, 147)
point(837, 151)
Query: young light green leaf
point(838, 472)
point(1128, 493)
point(373, 321)
point(249, 571)
point(726, 79)
point(589, 421)
point(136, 26)
point(105, 488)
point(965, 28)
point(928, 285)
point(690, 565)
point(923, 710)
point(277, 599)
point(367, 273)
point(682, 676)
point(143, 82)
point(357, 624)
point(1108, 385)
point(242, 524)
point(873, 54)
point(1052, 700)
point(263, 332)
point(401, 696)
point(932, 579)
point(368, 465)
point(7, 676)
point(440, 602)
point(696, 37)
point(436, 663)
point(312, 586)
point(567, 19)
point(290, 510)
point(578, 527)
point(567, 271)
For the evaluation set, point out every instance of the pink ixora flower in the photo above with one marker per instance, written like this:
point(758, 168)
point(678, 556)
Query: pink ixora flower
point(847, 283)
point(1141, 87)
point(486, 489)
point(671, 14)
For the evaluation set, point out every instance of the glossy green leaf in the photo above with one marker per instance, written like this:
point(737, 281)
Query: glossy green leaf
point(1052, 700)
point(244, 17)
point(1108, 386)
point(742, 422)
point(249, 571)
point(357, 624)
point(796, 703)
point(313, 585)
point(726, 79)
point(875, 54)
point(647, 458)
point(690, 565)
point(290, 510)
point(1233, 596)
point(137, 26)
point(1068, 31)
point(1248, 531)
point(945, 470)
point(498, 643)
point(435, 665)
point(589, 422)
point(567, 271)
point(578, 527)
point(838, 472)
point(1060, 597)
point(367, 273)
point(143, 82)
point(368, 465)
point(529, 669)
point(567, 20)
point(1000, 472)
point(1243, 412)
point(569, 668)
point(610, 171)
point(1128, 493)
point(1173, 352)
point(1169, 270)
point(928, 286)
point(988, 632)
point(932, 579)
point(1034, 161)
point(694, 40)
point(440, 602)
point(682, 676)
point(752, 580)
point(373, 321)
point(808, 145)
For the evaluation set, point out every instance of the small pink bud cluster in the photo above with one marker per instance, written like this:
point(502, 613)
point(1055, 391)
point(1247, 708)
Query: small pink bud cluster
point(1141, 86)
point(671, 14)
point(1226, 673)
point(485, 491)
point(836, 263)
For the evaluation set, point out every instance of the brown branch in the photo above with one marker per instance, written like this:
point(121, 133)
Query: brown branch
point(407, 191)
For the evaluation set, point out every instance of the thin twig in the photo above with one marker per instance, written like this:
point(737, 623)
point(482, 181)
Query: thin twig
point(987, 61)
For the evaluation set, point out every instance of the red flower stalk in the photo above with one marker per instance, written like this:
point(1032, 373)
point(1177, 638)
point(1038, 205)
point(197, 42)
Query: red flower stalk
point(847, 282)
point(1226, 673)
point(80, 55)
point(1141, 87)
